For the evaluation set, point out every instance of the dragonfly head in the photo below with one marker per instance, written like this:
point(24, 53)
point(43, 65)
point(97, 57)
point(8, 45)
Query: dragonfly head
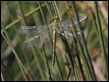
point(56, 17)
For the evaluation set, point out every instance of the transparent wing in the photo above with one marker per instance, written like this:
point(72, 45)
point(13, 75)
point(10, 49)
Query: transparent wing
point(66, 23)
point(36, 40)
point(39, 40)
point(32, 30)
point(67, 35)
point(41, 34)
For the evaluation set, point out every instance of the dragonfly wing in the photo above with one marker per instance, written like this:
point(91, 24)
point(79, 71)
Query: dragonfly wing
point(36, 40)
point(68, 35)
point(82, 17)
point(28, 30)
point(66, 24)
point(32, 30)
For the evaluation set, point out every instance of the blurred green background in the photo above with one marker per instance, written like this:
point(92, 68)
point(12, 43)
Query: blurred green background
point(19, 63)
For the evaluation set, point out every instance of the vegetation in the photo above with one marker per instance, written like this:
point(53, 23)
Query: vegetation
point(79, 44)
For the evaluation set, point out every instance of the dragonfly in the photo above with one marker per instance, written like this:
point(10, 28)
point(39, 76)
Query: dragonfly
point(41, 34)
point(53, 26)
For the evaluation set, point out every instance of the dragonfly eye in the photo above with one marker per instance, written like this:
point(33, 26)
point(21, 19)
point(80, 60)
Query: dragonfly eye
point(56, 17)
